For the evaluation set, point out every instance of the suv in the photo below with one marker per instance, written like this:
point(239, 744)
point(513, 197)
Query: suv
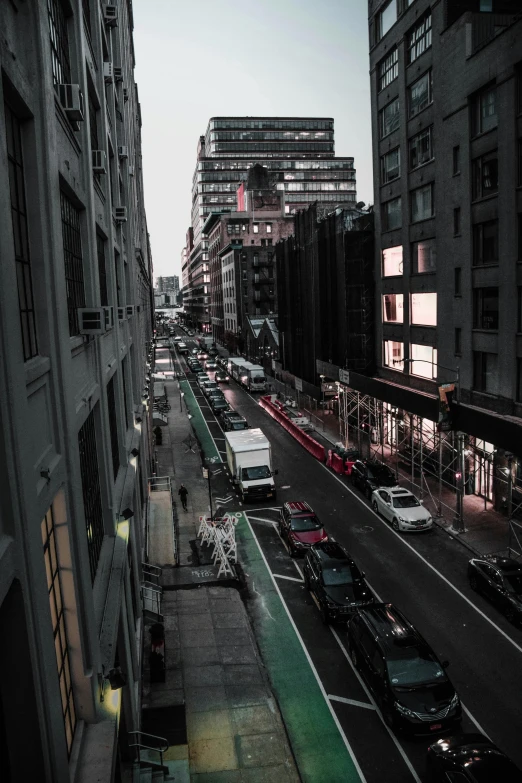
point(334, 581)
point(299, 527)
point(218, 404)
point(371, 474)
point(405, 676)
point(230, 420)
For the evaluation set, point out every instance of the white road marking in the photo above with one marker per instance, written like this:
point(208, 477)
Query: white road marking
point(300, 572)
point(472, 719)
point(291, 578)
point(352, 702)
point(307, 654)
point(262, 519)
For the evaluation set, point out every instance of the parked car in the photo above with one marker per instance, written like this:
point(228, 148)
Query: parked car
point(299, 527)
point(221, 376)
point(209, 386)
point(469, 757)
point(335, 582)
point(213, 352)
point(407, 680)
point(216, 393)
point(371, 474)
point(194, 352)
point(230, 420)
point(219, 405)
point(500, 580)
point(201, 378)
point(401, 508)
point(210, 364)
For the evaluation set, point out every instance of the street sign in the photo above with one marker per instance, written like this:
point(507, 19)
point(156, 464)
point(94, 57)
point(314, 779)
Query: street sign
point(299, 384)
point(344, 376)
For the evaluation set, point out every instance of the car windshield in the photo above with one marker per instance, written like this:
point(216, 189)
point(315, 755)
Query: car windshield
point(514, 582)
point(259, 472)
point(259, 378)
point(340, 575)
point(416, 668)
point(239, 425)
point(379, 472)
point(305, 523)
point(405, 501)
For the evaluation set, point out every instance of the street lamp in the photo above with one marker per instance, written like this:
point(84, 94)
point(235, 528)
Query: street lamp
point(322, 377)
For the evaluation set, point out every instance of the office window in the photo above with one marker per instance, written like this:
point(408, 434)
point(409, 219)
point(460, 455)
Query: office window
point(59, 42)
point(113, 426)
point(256, 228)
point(54, 588)
point(424, 361)
point(386, 19)
point(91, 492)
point(418, 38)
point(72, 252)
point(391, 214)
point(421, 148)
point(20, 234)
point(422, 206)
point(392, 261)
point(102, 269)
point(388, 69)
point(268, 228)
point(456, 159)
point(456, 221)
point(485, 175)
point(485, 308)
point(484, 110)
point(485, 243)
point(389, 118)
point(485, 372)
point(390, 166)
point(457, 281)
point(420, 94)
point(423, 309)
point(393, 308)
point(393, 355)
point(424, 256)
point(458, 341)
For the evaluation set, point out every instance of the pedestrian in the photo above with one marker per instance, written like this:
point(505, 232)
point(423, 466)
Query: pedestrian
point(183, 493)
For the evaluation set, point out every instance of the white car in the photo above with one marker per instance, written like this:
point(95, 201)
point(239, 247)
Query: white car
point(400, 507)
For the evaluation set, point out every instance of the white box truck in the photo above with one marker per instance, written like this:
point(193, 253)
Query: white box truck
point(252, 377)
point(249, 458)
point(234, 365)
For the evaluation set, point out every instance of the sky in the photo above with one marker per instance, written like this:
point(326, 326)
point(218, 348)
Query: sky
point(196, 59)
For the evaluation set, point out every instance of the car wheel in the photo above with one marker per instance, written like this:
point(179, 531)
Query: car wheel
point(395, 525)
point(473, 583)
point(375, 507)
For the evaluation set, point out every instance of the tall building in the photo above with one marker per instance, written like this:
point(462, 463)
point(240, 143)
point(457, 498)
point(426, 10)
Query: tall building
point(75, 333)
point(299, 154)
point(168, 284)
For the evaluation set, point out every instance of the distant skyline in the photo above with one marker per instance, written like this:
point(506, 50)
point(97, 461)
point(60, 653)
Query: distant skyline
point(242, 58)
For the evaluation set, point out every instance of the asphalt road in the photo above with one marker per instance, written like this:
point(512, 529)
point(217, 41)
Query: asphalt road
point(423, 574)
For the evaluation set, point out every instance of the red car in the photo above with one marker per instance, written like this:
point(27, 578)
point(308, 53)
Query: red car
point(299, 527)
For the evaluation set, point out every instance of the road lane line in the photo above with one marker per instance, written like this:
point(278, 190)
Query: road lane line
point(307, 654)
point(291, 578)
point(262, 519)
point(472, 719)
point(352, 702)
point(299, 570)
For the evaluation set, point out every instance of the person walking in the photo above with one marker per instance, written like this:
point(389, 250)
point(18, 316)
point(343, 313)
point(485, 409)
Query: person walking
point(183, 493)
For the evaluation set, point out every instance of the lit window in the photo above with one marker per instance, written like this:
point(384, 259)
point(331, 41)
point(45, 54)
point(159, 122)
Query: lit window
point(424, 309)
point(256, 228)
point(389, 118)
point(392, 308)
point(268, 228)
point(394, 355)
point(420, 94)
point(424, 256)
point(392, 261)
point(423, 361)
point(422, 203)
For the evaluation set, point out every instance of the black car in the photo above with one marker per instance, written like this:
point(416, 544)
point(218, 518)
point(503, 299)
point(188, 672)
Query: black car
point(334, 581)
point(230, 420)
point(370, 474)
point(469, 757)
point(221, 376)
point(405, 676)
point(218, 405)
point(500, 580)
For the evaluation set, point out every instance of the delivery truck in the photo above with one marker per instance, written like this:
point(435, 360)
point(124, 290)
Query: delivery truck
point(249, 458)
point(252, 377)
point(234, 365)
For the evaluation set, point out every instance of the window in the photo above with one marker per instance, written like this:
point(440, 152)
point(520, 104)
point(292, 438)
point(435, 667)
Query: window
point(386, 19)
point(485, 308)
point(519, 380)
point(390, 166)
point(389, 118)
point(457, 281)
point(113, 425)
point(394, 355)
point(423, 361)
point(91, 492)
point(456, 159)
point(102, 270)
point(124, 385)
point(485, 243)
point(93, 123)
point(485, 372)
point(419, 37)
point(388, 69)
point(458, 341)
point(485, 175)
point(54, 587)
point(391, 214)
point(392, 308)
point(424, 309)
point(392, 261)
point(421, 148)
point(484, 110)
point(72, 252)
point(20, 234)
point(244, 274)
point(256, 228)
point(59, 42)
point(422, 203)
point(456, 221)
point(268, 228)
point(420, 94)
point(424, 256)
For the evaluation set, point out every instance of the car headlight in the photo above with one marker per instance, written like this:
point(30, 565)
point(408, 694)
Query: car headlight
point(454, 703)
point(401, 519)
point(404, 710)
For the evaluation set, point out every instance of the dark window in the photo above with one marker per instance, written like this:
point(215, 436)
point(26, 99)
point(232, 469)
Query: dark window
point(421, 148)
point(20, 234)
point(457, 280)
point(458, 341)
point(113, 425)
point(424, 256)
point(485, 175)
point(390, 166)
point(91, 492)
point(456, 221)
point(389, 118)
point(392, 214)
point(72, 252)
point(102, 270)
point(485, 308)
point(485, 372)
point(117, 276)
point(484, 110)
point(419, 37)
point(456, 159)
point(388, 69)
point(59, 42)
point(485, 243)
point(124, 384)
point(93, 123)
point(422, 205)
point(420, 94)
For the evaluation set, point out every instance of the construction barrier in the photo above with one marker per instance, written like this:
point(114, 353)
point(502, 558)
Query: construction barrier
point(309, 443)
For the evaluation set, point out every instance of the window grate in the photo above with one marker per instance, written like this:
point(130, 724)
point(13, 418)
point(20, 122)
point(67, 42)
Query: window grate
point(91, 492)
point(59, 42)
point(72, 252)
point(113, 424)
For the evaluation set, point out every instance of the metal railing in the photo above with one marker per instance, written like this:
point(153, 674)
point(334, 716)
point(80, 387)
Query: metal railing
point(143, 746)
point(159, 484)
point(151, 596)
point(151, 573)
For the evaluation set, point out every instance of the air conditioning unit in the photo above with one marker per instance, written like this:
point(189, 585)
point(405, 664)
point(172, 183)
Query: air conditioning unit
point(123, 151)
point(110, 15)
point(120, 214)
point(71, 99)
point(99, 159)
point(131, 170)
point(121, 314)
point(109, 317)
point(108, 72)
point(125, 94)
point(118, 74)
point(130, 311)
point(91, 320)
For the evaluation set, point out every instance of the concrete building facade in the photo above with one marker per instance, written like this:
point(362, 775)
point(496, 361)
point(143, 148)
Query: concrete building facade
point(76, 322)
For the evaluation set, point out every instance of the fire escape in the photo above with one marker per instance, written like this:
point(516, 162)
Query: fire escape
point(264, 285)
